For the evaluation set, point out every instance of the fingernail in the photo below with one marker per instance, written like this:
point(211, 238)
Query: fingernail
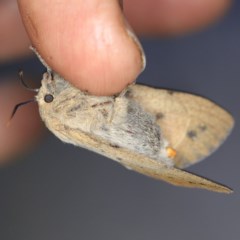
point(133, 36)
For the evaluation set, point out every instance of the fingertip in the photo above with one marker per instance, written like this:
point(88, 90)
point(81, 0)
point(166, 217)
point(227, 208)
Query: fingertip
point(88, 45)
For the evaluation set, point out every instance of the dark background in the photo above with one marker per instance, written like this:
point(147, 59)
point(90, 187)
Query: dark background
point(62, 192)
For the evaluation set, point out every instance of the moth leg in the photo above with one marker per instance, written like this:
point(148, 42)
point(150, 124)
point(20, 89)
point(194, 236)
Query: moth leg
point(120, 95)
point(101, 107)
point(124, 91)
point(111, 112)
point(113, 107)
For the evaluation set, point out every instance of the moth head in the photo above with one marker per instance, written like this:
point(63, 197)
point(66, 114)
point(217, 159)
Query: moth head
point(46, 93)
point(52, 86)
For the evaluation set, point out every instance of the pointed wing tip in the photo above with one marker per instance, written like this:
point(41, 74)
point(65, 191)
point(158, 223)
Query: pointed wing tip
point(226, 190)
point(220, 188)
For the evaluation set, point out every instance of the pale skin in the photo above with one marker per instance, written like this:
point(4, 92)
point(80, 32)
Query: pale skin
point(86, 42)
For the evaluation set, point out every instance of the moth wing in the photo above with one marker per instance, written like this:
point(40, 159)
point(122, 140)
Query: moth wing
point(193, 125)
point(140, 163)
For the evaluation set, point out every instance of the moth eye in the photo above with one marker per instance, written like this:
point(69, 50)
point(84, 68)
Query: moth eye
point(48, 98)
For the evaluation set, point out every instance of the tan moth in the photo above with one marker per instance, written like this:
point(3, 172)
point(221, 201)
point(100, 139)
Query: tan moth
point(152, 131)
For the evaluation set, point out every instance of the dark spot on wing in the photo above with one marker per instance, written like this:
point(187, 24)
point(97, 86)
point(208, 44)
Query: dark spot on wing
point(202, 127)
point(129, 94)
point(159, 115)
point(170, 92)
point(119, 159)
point(114, 145)
point(192, 134)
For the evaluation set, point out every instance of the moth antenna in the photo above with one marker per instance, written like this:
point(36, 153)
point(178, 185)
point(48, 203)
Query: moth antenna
point(20, 73)
point(17, 107)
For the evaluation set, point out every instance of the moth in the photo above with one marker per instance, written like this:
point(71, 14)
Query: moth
point(155, 132)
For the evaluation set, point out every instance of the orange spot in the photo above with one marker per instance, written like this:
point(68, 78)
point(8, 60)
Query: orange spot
point(171, 152)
